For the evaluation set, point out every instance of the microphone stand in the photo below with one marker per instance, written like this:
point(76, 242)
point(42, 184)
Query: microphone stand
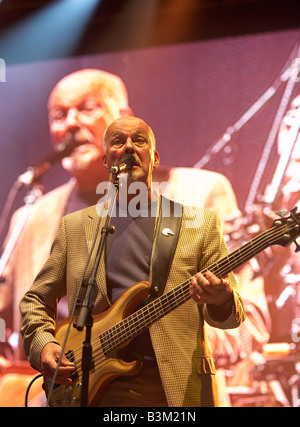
point(31, 178)
point(289, 74)
point(85, 318)
point(285, 156)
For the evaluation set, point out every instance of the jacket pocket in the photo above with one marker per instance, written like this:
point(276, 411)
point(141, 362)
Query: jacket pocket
point(204, 365)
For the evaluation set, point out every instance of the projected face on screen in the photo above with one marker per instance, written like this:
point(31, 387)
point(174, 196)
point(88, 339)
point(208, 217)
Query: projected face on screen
point(81, 106)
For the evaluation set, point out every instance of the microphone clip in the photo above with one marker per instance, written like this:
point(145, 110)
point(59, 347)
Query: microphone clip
point(127, 161)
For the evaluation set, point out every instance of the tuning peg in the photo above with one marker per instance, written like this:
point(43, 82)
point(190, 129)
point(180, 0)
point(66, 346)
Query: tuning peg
point(297, 246)
point(281, 213)
point(294, 210)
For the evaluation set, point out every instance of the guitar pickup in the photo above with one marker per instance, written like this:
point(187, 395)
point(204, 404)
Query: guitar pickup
point(74, 375)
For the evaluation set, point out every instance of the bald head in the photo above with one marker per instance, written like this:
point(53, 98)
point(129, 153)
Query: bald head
point(106, 86)
point(129, 121)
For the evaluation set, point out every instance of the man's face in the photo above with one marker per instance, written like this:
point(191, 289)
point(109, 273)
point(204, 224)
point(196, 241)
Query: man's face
point(77, 110)
point(130, 135)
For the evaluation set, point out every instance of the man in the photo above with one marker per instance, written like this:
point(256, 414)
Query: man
point(182, 369)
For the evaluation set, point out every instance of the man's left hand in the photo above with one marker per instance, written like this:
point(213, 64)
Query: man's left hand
point(210, 289)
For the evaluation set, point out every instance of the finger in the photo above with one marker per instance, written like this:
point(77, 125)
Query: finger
point(202, 281)
point(195, 295)
point(197, 287)
point(212, 278)
point(194, 290)
point(50, 369)
point(50, 366)
point(62, 376)
point(66, 362)
point(217, 283)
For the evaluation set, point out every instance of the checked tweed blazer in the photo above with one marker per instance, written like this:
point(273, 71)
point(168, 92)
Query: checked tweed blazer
point(179, 339)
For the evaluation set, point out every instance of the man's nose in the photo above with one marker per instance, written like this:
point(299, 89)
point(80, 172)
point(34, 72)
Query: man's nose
point(72, 119)
point(129, 146)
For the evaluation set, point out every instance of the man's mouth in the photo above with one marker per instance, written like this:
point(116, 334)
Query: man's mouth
point(82, 148)
point(137, 161)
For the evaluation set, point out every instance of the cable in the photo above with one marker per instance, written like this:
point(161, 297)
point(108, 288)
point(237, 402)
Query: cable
point(29, 386)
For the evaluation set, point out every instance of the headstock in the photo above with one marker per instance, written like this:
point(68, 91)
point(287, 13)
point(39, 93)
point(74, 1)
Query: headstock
point(287, 228)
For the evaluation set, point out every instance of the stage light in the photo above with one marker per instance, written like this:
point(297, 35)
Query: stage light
point(52, 32)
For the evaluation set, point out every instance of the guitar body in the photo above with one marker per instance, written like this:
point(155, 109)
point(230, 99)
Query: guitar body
point(107, 366)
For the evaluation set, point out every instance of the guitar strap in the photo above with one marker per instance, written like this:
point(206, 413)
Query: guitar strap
point(164, 245)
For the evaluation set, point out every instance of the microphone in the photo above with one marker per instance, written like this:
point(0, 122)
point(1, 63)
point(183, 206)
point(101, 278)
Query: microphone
point(127, 161)
point(33, 174)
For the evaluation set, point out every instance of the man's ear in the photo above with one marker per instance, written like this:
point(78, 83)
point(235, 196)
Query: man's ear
point(156, 159)
point(104, 161)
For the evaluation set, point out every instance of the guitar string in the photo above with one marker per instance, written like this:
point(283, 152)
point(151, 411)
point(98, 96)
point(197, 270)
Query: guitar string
point(110, 343)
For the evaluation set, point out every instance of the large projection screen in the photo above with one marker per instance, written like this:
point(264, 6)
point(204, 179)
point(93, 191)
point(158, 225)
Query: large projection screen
point(215, 104)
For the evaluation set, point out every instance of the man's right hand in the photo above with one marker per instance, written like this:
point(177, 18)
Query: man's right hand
point(49, 358)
